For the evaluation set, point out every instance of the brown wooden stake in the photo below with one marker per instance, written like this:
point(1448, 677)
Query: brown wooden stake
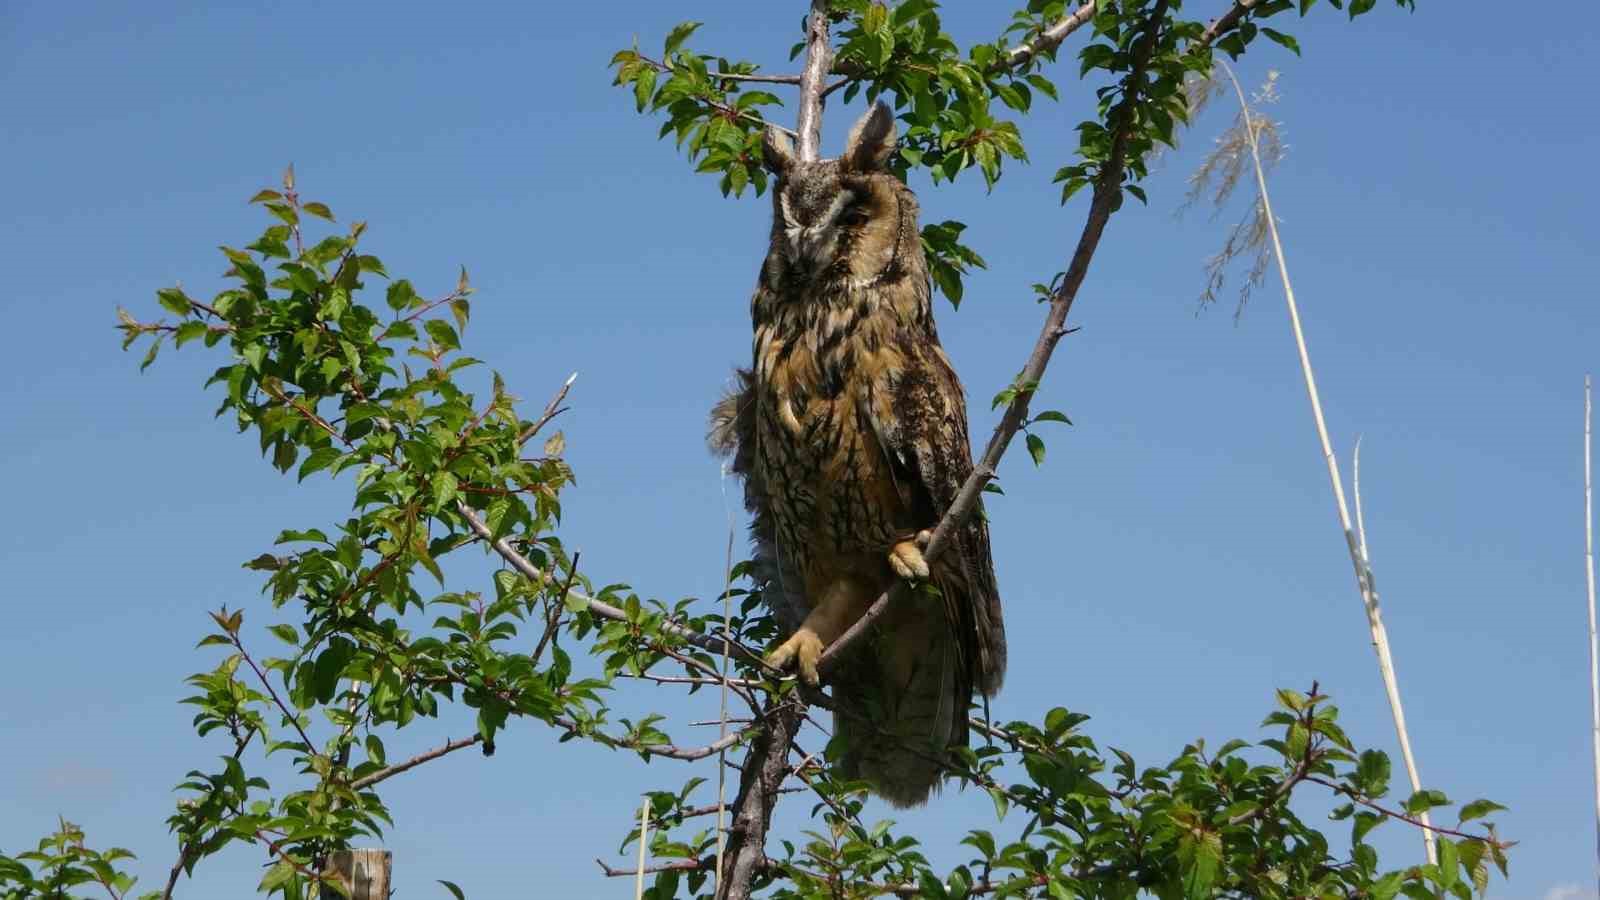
point(365, 872)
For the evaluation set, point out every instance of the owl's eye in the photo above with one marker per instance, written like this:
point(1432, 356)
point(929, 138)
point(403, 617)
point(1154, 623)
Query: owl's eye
point(854, 213)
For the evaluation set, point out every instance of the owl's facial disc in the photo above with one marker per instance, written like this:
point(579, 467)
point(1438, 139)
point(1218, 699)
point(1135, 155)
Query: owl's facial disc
point(811, 222)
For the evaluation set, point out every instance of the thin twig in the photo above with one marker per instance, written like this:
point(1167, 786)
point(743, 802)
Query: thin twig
point(551, 410)
point(1364, 579)
point(1420, 821)
point(681, 865)
point(187, 848)
point(553, 620)
point(384, 774)
point(757, 77)
point(598, 607)
point(282, 707)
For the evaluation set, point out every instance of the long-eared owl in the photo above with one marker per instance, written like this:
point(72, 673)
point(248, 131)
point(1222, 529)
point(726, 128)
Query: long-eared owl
point(850, 431)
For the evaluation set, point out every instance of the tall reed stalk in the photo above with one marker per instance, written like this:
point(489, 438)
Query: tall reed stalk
point(1363, 570)
point(1588, 567)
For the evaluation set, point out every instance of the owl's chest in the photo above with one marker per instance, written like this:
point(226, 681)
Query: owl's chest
point(831, 484)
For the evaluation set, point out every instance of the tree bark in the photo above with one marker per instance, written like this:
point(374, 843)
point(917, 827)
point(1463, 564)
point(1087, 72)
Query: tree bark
point(765, 768)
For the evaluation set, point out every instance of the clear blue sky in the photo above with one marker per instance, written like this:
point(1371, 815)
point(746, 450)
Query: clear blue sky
point(1175, 560)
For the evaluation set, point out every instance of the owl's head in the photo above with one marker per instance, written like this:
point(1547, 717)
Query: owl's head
point(825, 208)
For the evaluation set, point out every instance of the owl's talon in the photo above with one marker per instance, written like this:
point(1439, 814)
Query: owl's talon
point(907, 562)
point(805, 648)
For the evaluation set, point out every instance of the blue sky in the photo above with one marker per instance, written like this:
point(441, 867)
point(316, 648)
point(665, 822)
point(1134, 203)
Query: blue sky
point(1175, 559)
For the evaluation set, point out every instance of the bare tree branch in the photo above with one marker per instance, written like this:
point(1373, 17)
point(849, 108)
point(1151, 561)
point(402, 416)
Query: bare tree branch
point(819, 58)
point(1047, 40)
point(766, 767)
point(367, 781)
point(551, 410)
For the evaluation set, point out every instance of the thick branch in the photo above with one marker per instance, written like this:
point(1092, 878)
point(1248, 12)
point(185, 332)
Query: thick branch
point(1047, 40)
point(1107, 192)
point(766, 766)
point(819, 58)
point(1227, 21)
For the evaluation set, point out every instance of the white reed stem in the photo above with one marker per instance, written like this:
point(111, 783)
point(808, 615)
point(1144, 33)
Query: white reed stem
point(1369, 593)
point(1588, 568)
point(644, 843)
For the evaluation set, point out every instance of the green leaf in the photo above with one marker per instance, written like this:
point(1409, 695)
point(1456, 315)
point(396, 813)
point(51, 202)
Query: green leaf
point(644, 85)
point(330, 666)
point(1449, 863)
point(1477, 809)
point(188, 331)
point(400, 295)
point(1283, 39)
point(1036, 449)
point(1051, 415)
point(287, 634)
point(276, 877)
point(677, 36)
point(453, 889)
point(1199, 858)
point(175, 301)
point(1424, 800)
point(443, 334)
point(319, 210)
point(320, 459)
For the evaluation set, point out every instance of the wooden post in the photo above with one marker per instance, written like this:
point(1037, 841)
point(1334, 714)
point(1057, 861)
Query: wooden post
point(366, 872)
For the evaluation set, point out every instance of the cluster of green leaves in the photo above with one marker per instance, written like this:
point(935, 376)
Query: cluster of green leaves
point(717, 122)
point(61, 862)
point(328, 384)
point(944, 99)
point(1092, 823)
point(945, 102)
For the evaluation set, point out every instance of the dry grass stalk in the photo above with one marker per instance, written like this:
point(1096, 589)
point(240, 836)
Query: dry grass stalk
point(722, 718)
point(1255, 139)
point(1227, 166)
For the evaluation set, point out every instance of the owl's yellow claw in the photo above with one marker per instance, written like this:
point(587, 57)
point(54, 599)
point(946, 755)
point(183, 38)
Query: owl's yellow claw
point(805, 648)
point(905, 558)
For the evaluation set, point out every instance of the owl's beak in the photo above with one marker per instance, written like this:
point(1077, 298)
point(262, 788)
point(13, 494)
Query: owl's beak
point(812, 245)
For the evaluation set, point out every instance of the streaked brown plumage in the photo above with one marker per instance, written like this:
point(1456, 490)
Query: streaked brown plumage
point(850, 430)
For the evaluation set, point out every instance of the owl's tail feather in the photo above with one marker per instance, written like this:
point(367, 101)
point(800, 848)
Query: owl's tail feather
point(902, 703)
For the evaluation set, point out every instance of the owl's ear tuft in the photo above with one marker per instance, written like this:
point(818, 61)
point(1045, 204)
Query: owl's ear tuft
point(777, 151)
point(871, 141)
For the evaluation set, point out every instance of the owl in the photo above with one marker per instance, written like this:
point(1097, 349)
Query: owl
point(850, 432)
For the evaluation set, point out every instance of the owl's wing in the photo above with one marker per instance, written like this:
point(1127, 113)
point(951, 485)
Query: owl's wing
point(732, 436)
point(922, 425)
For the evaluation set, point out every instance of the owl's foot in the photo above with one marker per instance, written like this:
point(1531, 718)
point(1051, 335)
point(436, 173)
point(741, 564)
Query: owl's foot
point(905, 558)
point(804, 648)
